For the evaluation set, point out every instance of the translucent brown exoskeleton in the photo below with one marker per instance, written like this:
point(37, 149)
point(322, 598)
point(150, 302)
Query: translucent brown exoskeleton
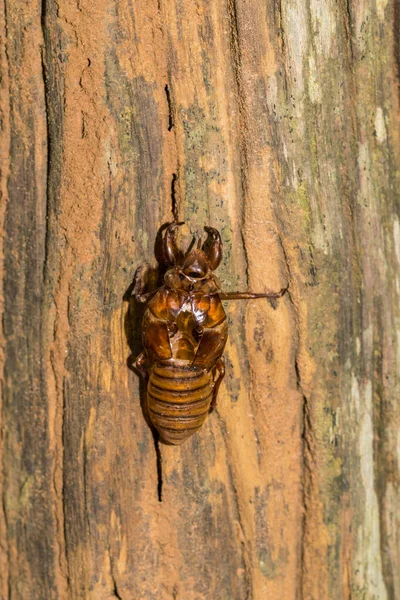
point(184, 332)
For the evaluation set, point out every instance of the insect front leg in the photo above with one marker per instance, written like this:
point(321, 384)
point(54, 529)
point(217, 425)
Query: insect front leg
point(211, 346)
point(139, 364)
point(139, 285)
point(220, 367)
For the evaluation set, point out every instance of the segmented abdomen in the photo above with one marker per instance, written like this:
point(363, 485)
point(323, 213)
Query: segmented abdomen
point(179, 399)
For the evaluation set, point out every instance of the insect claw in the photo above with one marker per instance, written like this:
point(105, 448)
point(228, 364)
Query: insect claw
point(282, 291)
point(213, 247)
point(174, 225)
point(172, 254)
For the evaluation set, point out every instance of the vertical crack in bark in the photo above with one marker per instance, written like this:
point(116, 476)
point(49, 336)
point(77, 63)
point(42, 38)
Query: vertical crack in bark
point(308, 460)
point(64, 521)
point(282, 35)
point(349, 27)
point(172, 121)
point(86, 484)
point(48, 300)
point(243, 121)
point(176, 194)
point(48, 136)
point(115, 589)
point(5, 113)
point(307, 436)
point(170, 114)
point(159, 465)
point(279, 19)
point(174, 202)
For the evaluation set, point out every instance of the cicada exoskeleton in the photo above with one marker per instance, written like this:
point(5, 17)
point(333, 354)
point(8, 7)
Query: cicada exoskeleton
point(184, 332)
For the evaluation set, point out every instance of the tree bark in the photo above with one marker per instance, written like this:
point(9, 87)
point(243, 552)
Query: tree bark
point(276, 123)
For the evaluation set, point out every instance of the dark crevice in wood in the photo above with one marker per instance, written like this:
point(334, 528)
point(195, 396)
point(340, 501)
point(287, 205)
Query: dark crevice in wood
point(280, 27)
point(308, 461)
point(115, 589)
point(170, 114)
point(28, 457)
point(174, 202)
point(4, 470)
point(243, 125)
point(63, 488)
point(86, 483)
point(159, 465)
point(237, 66)
point(53, 135)
point(349, 27)
point(48, 136)
point(113, 579)
point(246, 257)
point(283, 50)
point(284, 71)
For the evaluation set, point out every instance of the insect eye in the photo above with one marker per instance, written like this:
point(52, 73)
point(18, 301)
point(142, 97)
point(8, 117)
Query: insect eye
point(181, 277)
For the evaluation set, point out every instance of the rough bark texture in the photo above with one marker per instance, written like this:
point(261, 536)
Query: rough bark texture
point(278, 123)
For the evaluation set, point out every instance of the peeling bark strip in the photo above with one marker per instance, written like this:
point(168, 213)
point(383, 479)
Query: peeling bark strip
point(276, 123)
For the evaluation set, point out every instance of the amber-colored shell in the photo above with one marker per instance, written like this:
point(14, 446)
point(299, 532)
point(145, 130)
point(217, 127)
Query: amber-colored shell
point(182, 326)
point(184, 334)
point(179, 397)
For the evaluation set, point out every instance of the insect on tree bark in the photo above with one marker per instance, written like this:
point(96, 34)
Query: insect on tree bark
point(185, 330)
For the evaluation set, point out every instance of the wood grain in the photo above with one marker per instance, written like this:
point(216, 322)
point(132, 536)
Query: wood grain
point(276, 123)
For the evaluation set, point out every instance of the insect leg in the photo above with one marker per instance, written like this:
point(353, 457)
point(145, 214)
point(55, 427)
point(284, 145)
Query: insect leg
point(220, 367)
point(138, 364)
point(213, 247)
point(139, 286)
point(251, 295)
point(212, 344)
point(171, 252)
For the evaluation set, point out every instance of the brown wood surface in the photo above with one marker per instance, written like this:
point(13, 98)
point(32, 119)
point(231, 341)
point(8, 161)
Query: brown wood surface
point(277, 123)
